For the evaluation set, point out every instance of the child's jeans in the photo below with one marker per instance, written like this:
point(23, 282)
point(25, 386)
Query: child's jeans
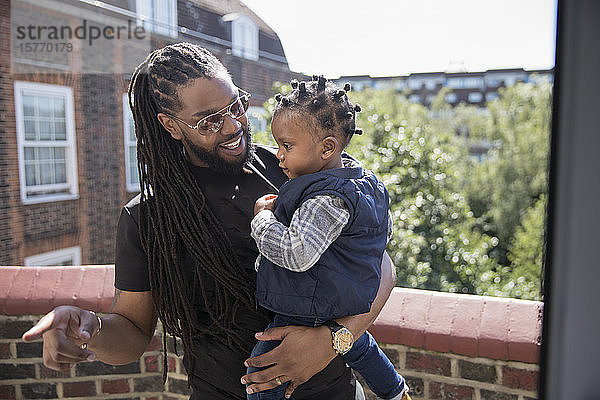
point(365, 357)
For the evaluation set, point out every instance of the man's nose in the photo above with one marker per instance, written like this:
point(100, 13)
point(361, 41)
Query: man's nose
point(230, 124)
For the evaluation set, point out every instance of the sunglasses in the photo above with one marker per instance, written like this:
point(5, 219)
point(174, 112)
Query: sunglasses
point(213, 122)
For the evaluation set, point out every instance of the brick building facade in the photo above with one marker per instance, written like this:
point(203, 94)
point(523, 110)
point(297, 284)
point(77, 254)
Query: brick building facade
point(66, 142)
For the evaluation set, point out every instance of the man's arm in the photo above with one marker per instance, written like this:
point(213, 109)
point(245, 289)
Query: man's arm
point(125, 333)
point(291, 360)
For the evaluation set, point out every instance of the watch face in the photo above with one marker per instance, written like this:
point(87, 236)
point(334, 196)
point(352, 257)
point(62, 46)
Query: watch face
point(343, 341)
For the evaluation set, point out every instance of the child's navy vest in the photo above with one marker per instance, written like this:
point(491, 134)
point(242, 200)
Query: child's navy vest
point(345, 279)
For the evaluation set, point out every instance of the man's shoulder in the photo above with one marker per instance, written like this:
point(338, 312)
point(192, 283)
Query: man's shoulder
point(132, 208)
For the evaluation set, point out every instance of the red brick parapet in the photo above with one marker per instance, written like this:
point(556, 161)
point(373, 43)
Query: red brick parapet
point(37, 290)
point(474, 326)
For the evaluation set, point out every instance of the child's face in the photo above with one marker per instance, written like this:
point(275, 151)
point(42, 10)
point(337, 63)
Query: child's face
point(299, 153)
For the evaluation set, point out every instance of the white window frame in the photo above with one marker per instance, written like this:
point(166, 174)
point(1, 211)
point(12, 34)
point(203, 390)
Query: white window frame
point(131, 185)
point(241, 25)
point(252, 112)
point(146, 11)
point(72, 254)
point(42, 89)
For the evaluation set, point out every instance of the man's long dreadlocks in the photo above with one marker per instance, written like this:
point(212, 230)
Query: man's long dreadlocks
point(174, 218)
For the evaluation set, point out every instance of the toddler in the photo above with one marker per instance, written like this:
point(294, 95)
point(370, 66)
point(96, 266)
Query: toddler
point(321, 240)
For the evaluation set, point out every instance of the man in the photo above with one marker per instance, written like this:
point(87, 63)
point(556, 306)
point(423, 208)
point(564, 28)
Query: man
point(184, 252)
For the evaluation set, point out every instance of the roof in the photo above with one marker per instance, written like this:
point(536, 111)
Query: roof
point(224, 7)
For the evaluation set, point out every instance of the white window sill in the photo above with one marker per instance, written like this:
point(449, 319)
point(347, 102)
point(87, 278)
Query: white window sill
point(49, 198)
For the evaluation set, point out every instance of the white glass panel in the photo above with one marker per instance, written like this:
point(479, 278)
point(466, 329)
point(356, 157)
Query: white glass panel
point(59, 107)
point(30, 175)
point(45, 153)
point(60, 172)
point(30, 130)
point(29, 153)
point(45, 106)
point(60, 130)
point(46, 130)
point(47, 173)
point(28, 106)
point(59, 153)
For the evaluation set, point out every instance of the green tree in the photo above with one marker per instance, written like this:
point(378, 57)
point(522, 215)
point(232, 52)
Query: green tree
point(527, 252)
point(434, 245)
point(514, 173)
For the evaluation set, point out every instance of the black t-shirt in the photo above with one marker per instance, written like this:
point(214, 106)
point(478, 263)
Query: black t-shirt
point(217, 375)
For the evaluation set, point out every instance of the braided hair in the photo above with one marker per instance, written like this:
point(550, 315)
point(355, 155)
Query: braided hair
point(175, 221)
point(323, 105)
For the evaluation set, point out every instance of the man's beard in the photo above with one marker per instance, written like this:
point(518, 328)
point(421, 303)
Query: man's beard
point(215, 162)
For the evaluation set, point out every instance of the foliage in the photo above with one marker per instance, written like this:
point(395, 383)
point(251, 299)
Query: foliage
point(514, 173)
point(527, 252)
point(434, 245)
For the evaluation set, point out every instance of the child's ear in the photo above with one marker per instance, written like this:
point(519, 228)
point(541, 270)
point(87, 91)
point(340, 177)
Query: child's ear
point(329, 146)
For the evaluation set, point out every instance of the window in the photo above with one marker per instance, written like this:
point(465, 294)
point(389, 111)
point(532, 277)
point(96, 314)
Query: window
point(158, 16)
point(415, 84)
point(414, 98)
point(244, 37)
point(475, 97)
point(451, 98)
point(257, 119)
point(58, 258)
point(400, 84)
point(46, 140)
point(430, 84)
point(491, 96)
point(131, 169)
point(465, 83)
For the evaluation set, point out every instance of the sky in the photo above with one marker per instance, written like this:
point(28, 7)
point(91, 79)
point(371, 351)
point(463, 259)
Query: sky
point(398, 37)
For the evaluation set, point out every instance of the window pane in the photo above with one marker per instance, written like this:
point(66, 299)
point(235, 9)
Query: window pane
point(29, 153)
point(60, 130)
point(30, 175)
point(133, 172)
point(30, 130)
point(45, 106)
point(59, 107)
point(47, 173)
point(59, 153)
point(60, 172)
point(28, 106)
point(46, 129)
point(131, 130)
point(45, 153)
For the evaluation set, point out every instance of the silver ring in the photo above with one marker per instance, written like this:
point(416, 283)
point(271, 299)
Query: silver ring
point(278, 381)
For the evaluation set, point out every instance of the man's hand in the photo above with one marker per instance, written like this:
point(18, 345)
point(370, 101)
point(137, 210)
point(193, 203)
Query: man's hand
point(64, 330)
point(303, 352)
point(266, 202)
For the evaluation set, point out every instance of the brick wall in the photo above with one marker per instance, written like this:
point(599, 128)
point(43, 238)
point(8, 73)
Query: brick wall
point(447, 346)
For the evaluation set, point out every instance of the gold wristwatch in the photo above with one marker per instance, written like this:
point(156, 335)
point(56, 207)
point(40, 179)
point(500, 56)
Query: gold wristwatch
point(342, 339)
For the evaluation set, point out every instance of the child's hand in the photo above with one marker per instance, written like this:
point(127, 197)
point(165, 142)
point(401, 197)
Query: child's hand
point(267, 202)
